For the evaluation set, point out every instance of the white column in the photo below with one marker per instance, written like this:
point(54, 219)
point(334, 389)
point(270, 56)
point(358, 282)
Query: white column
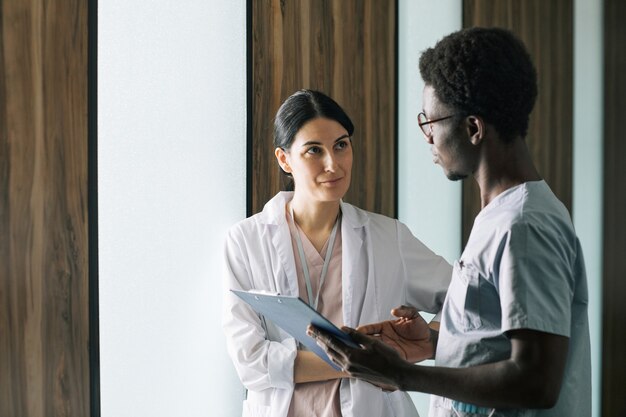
point(588, 165)
point(172, 178)
point(428, 202)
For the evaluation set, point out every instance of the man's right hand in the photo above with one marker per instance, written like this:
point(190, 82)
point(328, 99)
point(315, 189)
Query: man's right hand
point(409, 335)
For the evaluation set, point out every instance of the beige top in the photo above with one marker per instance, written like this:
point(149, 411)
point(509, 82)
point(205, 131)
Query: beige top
point(318, 399)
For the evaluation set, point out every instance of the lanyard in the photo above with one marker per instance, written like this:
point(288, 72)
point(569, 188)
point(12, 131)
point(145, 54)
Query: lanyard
point(305, 266)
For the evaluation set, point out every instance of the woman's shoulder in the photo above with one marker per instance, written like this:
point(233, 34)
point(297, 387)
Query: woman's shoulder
point(271, 215)
point(247, 223)
point(251, 224)
point(358, 216)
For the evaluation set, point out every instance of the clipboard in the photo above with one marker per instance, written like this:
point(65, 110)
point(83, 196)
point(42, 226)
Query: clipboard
point(293, 315)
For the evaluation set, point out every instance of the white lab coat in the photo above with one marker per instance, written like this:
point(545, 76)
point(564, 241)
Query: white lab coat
point(383, 266)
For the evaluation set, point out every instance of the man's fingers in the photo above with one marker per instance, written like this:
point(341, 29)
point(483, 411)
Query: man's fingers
point(359, 337)
point(318, 334)
point(327, 341)
point(337, 351)
point(406, 312)
point(373, 328)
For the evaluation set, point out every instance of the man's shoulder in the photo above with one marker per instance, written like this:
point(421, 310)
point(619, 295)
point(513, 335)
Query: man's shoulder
point(533, 205)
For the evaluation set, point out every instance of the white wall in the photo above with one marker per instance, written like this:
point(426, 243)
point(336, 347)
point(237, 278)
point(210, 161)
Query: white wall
point(588, 165)
point(428, 202)
point(172, 146)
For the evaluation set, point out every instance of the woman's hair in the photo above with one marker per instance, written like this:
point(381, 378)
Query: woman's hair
point(302, 107)
point(485, 72)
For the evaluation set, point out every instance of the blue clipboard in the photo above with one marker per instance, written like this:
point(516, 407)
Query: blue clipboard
point(293, 315)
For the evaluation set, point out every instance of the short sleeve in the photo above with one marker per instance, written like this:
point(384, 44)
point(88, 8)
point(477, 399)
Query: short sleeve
point(535, 280)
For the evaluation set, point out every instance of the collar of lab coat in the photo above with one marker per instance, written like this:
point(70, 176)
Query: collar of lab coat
point(352, 234)
point(274, 211)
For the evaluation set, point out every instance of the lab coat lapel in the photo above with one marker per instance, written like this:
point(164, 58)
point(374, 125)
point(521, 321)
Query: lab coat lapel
point(281, 240)
point(353, 264)
point(274, 212)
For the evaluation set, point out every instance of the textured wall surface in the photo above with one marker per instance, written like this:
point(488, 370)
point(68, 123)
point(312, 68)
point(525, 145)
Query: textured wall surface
point(44, 329)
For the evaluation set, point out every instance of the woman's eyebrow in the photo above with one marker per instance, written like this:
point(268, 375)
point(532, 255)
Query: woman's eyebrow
point(313, 142)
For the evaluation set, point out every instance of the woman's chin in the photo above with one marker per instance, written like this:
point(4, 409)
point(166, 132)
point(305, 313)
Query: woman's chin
point(333, 195)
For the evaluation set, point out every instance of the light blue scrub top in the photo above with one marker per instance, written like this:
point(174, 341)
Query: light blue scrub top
point(522, 268)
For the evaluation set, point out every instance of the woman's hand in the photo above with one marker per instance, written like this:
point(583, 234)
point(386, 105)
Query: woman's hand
point(409, 335)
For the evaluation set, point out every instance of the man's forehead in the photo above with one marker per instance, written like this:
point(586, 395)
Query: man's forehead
point(429, 98)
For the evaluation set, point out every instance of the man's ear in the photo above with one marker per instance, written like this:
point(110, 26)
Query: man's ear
point(281, 157)
point(476, 129)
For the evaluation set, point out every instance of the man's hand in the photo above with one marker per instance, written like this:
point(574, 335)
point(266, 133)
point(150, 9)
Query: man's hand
point(374, 361)
point(409, 335)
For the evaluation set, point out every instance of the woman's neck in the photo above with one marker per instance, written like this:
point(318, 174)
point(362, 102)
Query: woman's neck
point(316, 219)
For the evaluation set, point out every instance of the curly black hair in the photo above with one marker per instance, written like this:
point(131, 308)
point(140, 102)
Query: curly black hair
point(485, 72)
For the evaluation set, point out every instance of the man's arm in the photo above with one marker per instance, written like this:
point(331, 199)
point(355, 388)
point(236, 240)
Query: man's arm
point(530, 378)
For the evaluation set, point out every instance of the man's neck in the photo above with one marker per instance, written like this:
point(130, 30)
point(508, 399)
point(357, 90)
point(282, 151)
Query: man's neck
point(505, 165)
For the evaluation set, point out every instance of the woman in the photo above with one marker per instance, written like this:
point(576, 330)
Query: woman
point(351, 265)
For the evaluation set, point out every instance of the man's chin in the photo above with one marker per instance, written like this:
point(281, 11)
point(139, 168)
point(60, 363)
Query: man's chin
point(455, 176)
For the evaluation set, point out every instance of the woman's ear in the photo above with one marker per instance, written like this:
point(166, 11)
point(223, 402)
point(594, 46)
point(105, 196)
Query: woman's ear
point(476, 129)
point(281, 157)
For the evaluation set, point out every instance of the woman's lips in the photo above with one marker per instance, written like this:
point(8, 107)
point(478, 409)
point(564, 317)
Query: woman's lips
point(331, 181)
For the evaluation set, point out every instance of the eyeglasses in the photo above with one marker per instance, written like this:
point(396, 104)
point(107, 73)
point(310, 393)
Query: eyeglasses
point(426, 125)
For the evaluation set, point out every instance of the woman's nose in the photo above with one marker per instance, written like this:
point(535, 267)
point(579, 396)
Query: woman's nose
point(330, 162)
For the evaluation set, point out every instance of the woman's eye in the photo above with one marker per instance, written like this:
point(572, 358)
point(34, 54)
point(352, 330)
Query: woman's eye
point(314, 150)
point(341, 145)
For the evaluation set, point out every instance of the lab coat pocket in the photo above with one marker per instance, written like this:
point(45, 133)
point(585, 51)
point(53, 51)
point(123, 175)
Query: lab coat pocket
point(251, 409)
point(467, 288)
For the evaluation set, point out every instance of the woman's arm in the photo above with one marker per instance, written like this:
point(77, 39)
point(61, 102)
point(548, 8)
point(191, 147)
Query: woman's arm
point(259, 362)
point(427, 275)
point(311, 368)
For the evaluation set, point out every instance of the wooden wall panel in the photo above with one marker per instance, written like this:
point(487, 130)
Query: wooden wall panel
point(614, 282)
point(44, 351)
point(546, 27)
point(347, 49)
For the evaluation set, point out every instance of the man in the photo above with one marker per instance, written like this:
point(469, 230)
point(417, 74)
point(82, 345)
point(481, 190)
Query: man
point(514, 338)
